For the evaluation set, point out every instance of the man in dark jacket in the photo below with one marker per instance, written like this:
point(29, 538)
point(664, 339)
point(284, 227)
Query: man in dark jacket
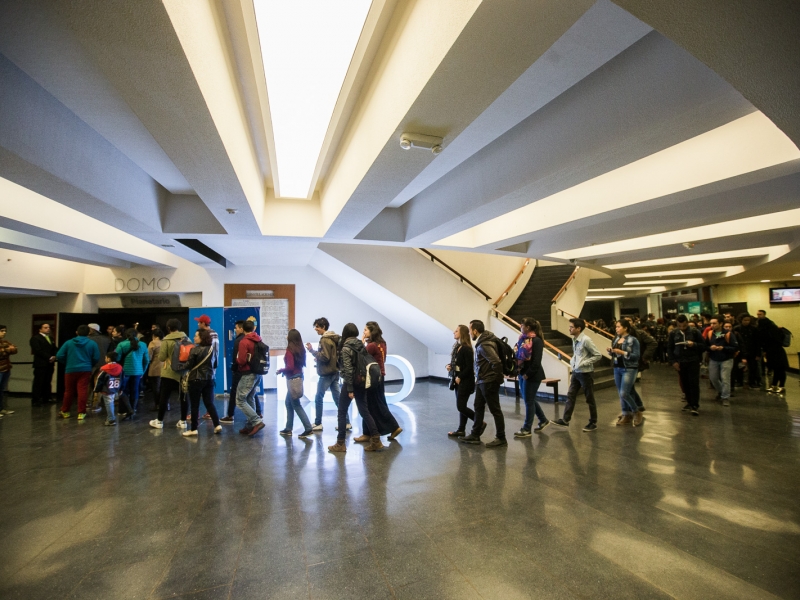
point(248, 381)
point(751, 349)
point(488, 377)
point(686, 349)
point(327, 369)
point(44, 358)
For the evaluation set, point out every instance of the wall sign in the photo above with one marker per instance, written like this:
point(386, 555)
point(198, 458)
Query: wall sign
point(159, 301)
point(142, 284)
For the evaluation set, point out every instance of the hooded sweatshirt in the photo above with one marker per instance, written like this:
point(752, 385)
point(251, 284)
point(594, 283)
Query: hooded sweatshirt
point(109, 380)
point(246, 347)
point(80, 354)
point(165, 354)
point(134, 362)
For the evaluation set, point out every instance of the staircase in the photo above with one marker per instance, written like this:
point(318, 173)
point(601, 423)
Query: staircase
point(536, 300)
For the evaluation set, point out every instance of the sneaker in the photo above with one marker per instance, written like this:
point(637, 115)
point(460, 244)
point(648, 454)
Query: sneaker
point(258, 427)
point(781, 391)
point(5, 411)
point(560, 423)
point(348, 427)
point(686, 408)
point(63, 415)
point(207, 417)
point(457, 433)
point(306, 433)
point(285, 432)
point(81, 416)
point(190, 433)
point(496, 442)
point(226, 420)
point(522, 433)
point(590, 427)
point(317, 427)
point(181, 424)
point(470, 439)
point(695, 412)
point(155, 423)
point(541, 426)
point(110, 423)
point(218, 429)
point(725, 402)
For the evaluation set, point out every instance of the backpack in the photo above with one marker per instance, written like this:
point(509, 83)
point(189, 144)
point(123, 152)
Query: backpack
point(787, 337)
point(180, 353)
point(506, 354)
point(258, 361)
point(361, 376)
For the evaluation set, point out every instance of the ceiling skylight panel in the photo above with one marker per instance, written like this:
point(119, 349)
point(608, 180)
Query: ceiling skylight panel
point(306, 48)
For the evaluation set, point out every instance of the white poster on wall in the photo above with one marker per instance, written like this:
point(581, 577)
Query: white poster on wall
point(274, 319)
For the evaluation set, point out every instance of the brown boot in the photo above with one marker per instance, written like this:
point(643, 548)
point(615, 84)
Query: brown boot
point(625, 420)
point(375, 444)
point(638, 419)
point(362, 438)
point(338, 447)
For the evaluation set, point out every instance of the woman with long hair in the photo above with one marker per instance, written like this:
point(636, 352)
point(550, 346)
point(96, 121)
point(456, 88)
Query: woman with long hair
point(294, 360)
point(530, 348)
point(625, 355)
point(200, 374)
point(133, 356)
point(353, 389)
point(376, 393)
point(462, 377)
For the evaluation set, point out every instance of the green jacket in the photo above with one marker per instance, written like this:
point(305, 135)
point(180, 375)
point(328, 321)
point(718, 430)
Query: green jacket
point(165, 355)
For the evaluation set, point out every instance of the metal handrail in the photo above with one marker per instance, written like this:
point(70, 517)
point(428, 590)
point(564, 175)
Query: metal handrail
point(560, 353)
point(592, 327)
point(566, 284)
point(513, 283)
point(463, 279)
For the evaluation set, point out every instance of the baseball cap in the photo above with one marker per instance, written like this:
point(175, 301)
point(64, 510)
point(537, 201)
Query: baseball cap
point(204, 319)
point(94, 326)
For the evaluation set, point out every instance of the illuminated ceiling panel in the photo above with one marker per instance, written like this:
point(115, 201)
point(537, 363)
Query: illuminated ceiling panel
point(772, 252)
point(306, 48)
point(727, 270)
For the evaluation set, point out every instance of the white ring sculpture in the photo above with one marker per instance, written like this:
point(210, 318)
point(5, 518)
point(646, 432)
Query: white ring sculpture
point(409, 378)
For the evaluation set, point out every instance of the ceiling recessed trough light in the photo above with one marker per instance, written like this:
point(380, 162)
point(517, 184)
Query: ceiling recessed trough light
point(765, 281)
point(726, 270)
point(306, 48)
point(772, 252)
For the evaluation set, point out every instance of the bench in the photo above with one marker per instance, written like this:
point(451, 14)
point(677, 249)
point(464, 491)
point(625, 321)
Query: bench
point(551, 382)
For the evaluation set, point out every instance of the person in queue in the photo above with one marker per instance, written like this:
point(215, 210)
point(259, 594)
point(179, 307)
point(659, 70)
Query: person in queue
point(625, 354)
point(462, 378)
point(530, 348)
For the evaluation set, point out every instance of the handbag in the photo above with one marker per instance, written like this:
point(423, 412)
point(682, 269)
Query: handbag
point(185, 378)
point(296, 387)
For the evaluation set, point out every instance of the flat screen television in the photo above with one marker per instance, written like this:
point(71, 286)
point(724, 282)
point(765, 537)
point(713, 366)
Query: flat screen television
point(786, 295)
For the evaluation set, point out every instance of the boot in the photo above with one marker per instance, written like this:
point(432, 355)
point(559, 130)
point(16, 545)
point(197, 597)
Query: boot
point(338, 447)
point(375, 444)
point(638, 419)
point(625, 420)
point(362, 438)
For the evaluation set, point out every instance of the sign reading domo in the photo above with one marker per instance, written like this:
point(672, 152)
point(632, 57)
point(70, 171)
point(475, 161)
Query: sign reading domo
point(142, 284)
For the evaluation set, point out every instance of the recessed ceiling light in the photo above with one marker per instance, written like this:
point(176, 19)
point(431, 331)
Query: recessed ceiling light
point(765, 281)
point(663, 281)
point(772, 252)
point(745, 145)
point(796, 275)
point(628, 289)
point(306, 48)
point(589, 298)
point(727, 270)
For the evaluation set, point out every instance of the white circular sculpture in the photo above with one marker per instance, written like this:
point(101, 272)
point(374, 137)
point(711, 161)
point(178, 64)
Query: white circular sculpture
point(407, 371)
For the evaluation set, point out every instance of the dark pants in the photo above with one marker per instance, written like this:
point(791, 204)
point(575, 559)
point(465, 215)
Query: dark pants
point(488, 393)
point(578, 381)
point(385, 422)
point(530, 387)
point(203, 388)
point(690, 382)
point(753, 370)
point(42, 381)
point(236, 376)
point(152, 389)
point(168, 386)
point(359, 395)
point(464, 411)
point(779, 376)
point(131, 389)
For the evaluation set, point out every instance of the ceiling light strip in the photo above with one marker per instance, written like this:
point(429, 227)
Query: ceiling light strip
point(771, 252)
point(727, 270)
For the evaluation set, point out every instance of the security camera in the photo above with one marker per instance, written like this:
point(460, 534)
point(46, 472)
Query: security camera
point(419, 140)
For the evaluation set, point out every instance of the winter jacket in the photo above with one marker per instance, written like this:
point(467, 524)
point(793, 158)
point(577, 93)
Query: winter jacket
point(134, 362)
point(6, 350)
point(79, 354)
point(102, 342)
point(326, 355)
point(378, 352)
point(488, 368)
point(721, 338)
point(109, 381)
point(771, 339)
point(461, 366)
point(165, 354)
point(532, 368)
point(156, 365)
point(196, 367)
point(350, 350)
point(235, 353)
point(246, 347)
point(749, 339)
point(584, 354)
point(681, 353)
point(630, 345)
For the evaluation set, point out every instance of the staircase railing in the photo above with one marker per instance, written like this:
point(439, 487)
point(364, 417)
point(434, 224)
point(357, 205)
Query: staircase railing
point(566, 285)
point(435, 259)
point(589, 325)
point(509, 321)
point(496, 303)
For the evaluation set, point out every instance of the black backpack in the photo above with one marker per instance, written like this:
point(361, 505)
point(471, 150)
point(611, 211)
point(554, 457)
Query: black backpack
point(507, 360)
point(259, 359)
point(362, 363)
point(787, 337)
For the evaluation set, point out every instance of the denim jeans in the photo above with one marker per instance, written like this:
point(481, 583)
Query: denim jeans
point(245, 397)
point(529, 387)
point(130, 387)
point(577, 381)
point(625, 378)
point(3, 380)
point(488, 394)
point(108, 400)
point(294, 406)
point(331, 380)
point(719, 372)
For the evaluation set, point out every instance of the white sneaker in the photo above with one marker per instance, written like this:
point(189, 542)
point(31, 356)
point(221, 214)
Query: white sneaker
point(157, 424)
point(316, 428)
point(218, 429)
point(349, 427)
point(5, 411)
point(189, 433)
point(181, 424)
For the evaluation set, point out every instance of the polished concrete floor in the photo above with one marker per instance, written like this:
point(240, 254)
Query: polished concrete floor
point(683, 507)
